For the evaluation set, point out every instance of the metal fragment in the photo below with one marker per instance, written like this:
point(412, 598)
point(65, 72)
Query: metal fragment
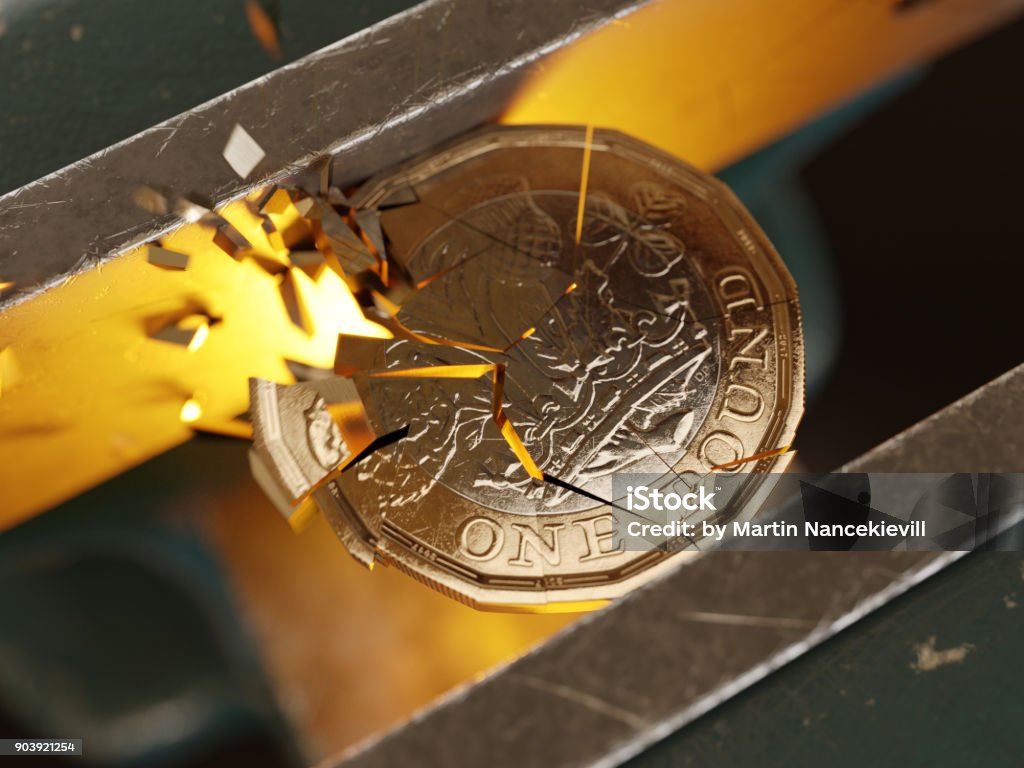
point(162, 257)
point(242, 152)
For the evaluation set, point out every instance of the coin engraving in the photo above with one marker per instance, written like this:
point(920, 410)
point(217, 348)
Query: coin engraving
point(541, 341)
point(603, 384)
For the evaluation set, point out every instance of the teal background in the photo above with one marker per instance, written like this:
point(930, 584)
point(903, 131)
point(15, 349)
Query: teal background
point(138, 62)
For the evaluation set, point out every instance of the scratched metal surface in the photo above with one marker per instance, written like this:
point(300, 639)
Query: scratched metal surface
point(77, 81)
point(383, 94)
point(624, 678)
point(932, 679)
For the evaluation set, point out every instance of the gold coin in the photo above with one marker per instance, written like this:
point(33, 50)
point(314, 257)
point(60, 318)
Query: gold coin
point(566, 304)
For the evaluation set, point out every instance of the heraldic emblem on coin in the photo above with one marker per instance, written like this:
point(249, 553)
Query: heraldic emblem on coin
point(552, 305)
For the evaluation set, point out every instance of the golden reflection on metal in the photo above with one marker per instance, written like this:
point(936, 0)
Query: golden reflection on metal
point(10, 375)
point(755, 457)
point(191, 410)
point(588, 141)
point(712, 81)
point(497, 371)
point(99, 389)
point(201, 334)
point(439, 372)
point(397, 330)
point(522, 337)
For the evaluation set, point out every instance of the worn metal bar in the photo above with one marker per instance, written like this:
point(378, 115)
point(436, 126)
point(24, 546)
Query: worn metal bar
point(369, 100)
point(623, 678)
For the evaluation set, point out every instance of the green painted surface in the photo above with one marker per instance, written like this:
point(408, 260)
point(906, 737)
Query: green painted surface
point(860, 700)
point(79, 75)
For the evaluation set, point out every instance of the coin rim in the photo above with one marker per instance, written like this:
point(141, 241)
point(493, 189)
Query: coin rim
point(788, 383)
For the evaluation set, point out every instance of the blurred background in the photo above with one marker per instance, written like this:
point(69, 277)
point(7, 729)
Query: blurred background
point(169, 616)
